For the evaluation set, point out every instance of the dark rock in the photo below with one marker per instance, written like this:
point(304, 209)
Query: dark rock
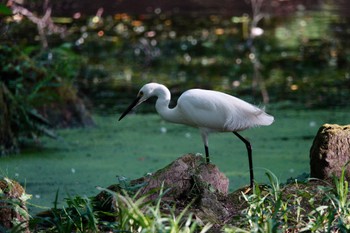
point(186, 181)
point(330, 151)
point(185, 176)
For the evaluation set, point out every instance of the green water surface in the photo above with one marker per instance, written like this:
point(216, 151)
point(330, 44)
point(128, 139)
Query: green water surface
point(88, 157)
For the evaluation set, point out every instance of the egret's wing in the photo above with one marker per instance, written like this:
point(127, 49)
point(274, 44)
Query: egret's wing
point(200, 109)
point(220, 112)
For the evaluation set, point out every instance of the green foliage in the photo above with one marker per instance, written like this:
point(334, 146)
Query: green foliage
point(61, 61)
point(267, 212)
point(125, 51)
point(131, 214)
point(23, 84)
point(273, 208)
point(77, 216)
point(333, 215)
point(4, 10)
point(31, 83)
point(340, 202)
point(169, 50)
point(118, 54)
point(13, 200)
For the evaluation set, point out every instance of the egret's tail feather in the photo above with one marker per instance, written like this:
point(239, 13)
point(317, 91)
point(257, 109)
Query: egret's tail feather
point(264, 118)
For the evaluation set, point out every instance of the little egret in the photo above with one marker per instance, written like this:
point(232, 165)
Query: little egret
point(210, 111)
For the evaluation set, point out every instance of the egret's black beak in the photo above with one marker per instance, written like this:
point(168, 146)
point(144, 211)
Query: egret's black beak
point(132, 105)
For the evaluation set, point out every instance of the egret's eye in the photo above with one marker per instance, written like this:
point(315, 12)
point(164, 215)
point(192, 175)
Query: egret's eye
point(140, 93)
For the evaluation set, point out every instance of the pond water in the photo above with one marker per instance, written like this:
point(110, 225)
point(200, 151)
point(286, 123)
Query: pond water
point(83, 159)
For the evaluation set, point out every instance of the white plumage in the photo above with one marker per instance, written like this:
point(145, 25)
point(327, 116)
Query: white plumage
point(210, 111)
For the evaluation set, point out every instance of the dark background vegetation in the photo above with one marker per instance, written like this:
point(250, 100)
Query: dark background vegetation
point(63, 60)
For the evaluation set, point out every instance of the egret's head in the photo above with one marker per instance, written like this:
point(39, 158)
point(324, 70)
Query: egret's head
point(145, 92)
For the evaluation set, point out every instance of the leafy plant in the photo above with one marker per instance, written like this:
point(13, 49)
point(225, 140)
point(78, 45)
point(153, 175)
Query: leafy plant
point(4, 10)
point(340, 199)
point(267, 211)
point(340, 202)
point(295, 207)
point(14, 214)
point(23, 86)
point(131, 215)
point(142, 216)
point(77, 216)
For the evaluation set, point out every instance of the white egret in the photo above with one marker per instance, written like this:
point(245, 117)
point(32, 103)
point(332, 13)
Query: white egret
point(210, 111)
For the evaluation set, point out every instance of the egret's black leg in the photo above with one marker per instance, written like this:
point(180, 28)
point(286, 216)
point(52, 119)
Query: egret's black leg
point(249, 149)
point(206, 154)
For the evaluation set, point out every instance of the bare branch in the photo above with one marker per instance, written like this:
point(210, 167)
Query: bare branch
point(44, 24)
point(258, 79)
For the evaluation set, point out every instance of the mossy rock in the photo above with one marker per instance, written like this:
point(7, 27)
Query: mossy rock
point(330, 151)
point(186, 181)
point(13, 210)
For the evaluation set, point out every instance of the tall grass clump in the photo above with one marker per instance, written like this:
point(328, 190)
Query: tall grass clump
point(137, 214)
point(267, 211)
point(312, 206)
point(77, 215)
point(129, 214)
point(334, 215)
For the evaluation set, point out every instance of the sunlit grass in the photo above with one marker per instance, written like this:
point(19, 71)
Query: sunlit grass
point(298, 207)
point(130, 214)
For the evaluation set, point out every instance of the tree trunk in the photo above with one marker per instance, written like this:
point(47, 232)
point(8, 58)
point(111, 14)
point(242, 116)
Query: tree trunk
point(8, 142)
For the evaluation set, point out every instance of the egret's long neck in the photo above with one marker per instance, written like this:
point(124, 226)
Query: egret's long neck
point(162, 105)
